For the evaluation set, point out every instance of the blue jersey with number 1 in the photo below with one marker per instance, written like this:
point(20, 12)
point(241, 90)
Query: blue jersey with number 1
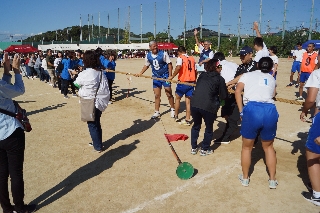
point(159, 66)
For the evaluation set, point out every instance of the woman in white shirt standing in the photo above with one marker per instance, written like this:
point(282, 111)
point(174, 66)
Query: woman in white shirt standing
point(88, 81)
point(258, 115)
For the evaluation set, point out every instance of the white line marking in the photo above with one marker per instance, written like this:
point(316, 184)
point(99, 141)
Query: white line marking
point(197, 180)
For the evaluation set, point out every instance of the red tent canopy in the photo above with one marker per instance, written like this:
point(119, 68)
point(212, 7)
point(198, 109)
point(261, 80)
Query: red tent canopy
point(23, 48)
point(167, 46)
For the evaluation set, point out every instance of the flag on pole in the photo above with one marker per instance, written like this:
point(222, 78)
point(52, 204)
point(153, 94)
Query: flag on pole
point(176, 137)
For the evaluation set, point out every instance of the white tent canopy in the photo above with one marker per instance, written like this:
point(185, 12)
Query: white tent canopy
point(61, 47)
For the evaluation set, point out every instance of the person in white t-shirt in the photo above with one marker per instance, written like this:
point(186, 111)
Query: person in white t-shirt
point(273, 51)
point(93, 83)
point(296, 65)
point(259, 46)
point(205, 52)
point(258, 115)
point(313, 140)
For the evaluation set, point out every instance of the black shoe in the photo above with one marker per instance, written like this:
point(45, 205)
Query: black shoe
point(28, 208)
point(309, 197)
point(222, 141)
point(296, 86)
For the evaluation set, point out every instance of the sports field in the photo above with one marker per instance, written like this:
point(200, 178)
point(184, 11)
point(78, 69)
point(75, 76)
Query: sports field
point(136, 172)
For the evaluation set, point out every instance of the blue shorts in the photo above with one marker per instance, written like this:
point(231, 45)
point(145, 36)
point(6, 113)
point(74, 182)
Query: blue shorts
point(304, 76)
point(182, 90)
point(159, 84)
point(259, 117)
point(313, 134)
point(296, 66)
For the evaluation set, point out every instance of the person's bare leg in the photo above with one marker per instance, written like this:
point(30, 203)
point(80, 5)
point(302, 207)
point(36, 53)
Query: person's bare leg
point(301, 89)
point(298, 78)
point(168, 91)
point(157, 96)
point(188, 109)
point(313, 163)
point(271, 159)
point(291, 77)
point(177, 105)
point(247, 145)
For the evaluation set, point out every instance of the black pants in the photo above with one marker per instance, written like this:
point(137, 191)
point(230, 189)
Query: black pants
point(110, 82)
point(65, 86)
point(11, 163)
point(232, 111)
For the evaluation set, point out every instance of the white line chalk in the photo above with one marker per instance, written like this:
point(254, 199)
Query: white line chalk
point(196, 181)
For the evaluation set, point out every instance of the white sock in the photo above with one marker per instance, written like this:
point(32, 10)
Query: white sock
point(316, 194)
point(172, 109)
point(156, 111)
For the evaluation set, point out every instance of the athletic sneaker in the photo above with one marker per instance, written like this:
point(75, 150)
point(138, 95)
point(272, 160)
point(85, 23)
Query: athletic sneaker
point(172, 114)
point(273, 184)
point(185, 122)
point(244, 182)
point(110, 102)
point(290, 84)
point(155, 115)
point(66, 97)
point(194, 151)
point(74, 95)
point(309, 197)
point(296, 86)
point(90, 144)
point(299, 99)
point(204, 153)
point(176, 119)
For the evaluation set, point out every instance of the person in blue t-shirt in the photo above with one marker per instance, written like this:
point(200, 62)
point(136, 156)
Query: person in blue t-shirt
point(110, 64)
point(161, 68)
point(68, 63)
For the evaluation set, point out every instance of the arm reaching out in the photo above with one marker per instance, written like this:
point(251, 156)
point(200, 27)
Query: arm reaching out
point(256, 28)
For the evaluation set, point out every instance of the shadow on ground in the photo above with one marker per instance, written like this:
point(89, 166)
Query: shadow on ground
point(51, 107)
point(84, 173)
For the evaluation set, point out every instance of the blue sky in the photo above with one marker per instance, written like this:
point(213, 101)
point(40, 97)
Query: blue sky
point(33, 17)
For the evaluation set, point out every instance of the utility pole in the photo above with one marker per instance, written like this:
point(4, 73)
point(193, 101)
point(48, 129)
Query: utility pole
point(129, 26)
point(269, 28)
point(219, 25)
point(92, 25)
point(185, 23)
point(201, 13)
point(99, 26)
point(311, 19)
point(155, 21)
point(141, 23)
point(108, 24)
point(284, 18)
point(260, 15)
point(88, 27)
point(238, 42)
point(168, 21)
point(118, 24)
point(80, 30)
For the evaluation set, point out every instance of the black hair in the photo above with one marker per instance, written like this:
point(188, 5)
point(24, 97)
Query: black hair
point(220, 56)
point(91, 60)
point(99, 51)
point(274, 49)
point(313, 44)
point(211, 65)
point(182, 49)
point(299, 43)
point(265, 64)
point(258, 41)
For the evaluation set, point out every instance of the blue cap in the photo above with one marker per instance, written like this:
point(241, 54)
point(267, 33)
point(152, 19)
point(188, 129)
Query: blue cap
point(245, 50)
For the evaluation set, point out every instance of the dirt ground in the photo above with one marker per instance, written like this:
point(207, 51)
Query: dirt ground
point(136, 172)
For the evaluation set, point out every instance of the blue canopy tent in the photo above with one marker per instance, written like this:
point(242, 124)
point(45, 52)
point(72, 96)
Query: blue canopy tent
point(316, 42)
